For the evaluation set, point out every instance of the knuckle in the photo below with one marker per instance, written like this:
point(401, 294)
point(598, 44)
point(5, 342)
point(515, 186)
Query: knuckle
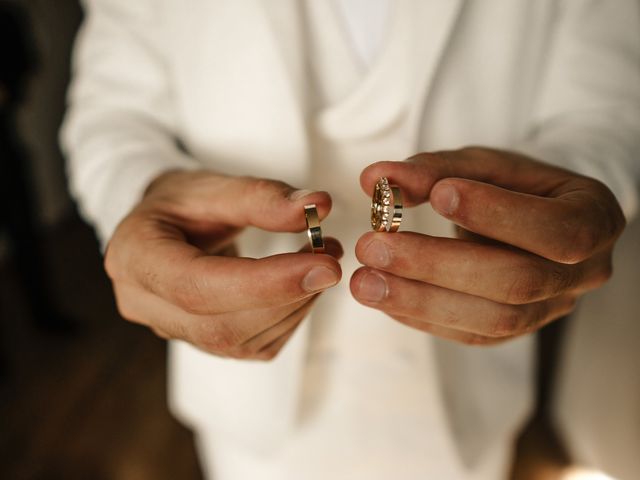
point(618, 222)
point(431, 164)
point(560, 279)
point(598, 271)
point(449, 319)
point(220, 338)
point(584, 243)
point(187, 300)
point(189, 296)
point(241, 351)
point(124, 305)
point(264, 194)
point(507, 322)
point(535, 281)
point(612, 217)
point(120, 248)
point(268, 355)
point(262, 187)
point(110, 264)
point(476, 151)
point(422, 157)
point(218, 344)
point(569, 306)
point(582, 234)
point(603, 275)
point(180, 330)
point(125, 311)
point(161, 333)
point(542, 282)
point(535, 315)
point(526, 286)
point(476, 340)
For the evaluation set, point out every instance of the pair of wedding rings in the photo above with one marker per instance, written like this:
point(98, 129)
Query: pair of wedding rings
point(386, 213)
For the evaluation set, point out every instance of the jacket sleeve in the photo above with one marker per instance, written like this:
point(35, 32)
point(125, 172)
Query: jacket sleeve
point(120, 128)
point(587, 113)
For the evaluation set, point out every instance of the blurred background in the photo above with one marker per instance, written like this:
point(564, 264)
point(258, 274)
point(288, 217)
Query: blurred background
point(82, 393)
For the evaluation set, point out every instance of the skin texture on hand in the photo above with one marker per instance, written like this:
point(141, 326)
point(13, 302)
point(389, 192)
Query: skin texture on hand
point(173, 265)
point(531, 239)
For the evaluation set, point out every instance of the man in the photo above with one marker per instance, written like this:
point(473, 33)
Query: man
point(180, 112)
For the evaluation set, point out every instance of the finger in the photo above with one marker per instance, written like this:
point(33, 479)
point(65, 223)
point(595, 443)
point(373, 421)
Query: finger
point(331, 247)
point(464, 234)
point(144, 308)
point(510, 198)
point(270, 334)
point(497, 273)
point(451, 309)
point(273, 349)
point(227, 331)
point(418, 174)
point(450, 333)
point(161, 333)
point(567, 229)
point(269, 350)
point(239, 201)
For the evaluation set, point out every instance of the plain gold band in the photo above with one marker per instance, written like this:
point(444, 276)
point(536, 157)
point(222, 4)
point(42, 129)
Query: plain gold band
point(397, 209)
point(314, 232)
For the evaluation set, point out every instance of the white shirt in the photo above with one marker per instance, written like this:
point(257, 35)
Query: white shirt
point(366, 23)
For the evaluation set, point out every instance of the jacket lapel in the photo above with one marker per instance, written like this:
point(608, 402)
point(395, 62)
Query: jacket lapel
point(286, 22)
point(433, 23)
point(418, 33)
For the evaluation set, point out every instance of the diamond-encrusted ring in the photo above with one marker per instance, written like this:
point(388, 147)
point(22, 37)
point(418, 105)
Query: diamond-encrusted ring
point(386, 207)
point(313, 228)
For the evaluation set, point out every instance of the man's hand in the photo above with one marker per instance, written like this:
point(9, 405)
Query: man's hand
point(171, 263)
point(532, 239)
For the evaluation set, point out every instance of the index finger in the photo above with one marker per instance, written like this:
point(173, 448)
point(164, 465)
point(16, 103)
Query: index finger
point(205, 202)
point(543, 209)
point(567, 229)
point(418, 174)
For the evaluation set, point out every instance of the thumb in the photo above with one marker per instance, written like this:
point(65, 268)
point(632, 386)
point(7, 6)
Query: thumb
point(417, 175)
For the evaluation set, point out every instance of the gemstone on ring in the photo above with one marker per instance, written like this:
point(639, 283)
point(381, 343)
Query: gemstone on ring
point(386, 206)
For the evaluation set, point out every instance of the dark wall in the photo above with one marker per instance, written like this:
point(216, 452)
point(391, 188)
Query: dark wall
point(54, 24)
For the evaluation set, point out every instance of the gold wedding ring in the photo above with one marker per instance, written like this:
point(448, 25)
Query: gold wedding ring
point(313, 228)
point(386, 207)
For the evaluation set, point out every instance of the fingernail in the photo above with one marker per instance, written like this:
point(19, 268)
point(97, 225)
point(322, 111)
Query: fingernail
point(372, 287)
point(377, 254)
point(298, 194)
point(319, 278)
point(445, 199)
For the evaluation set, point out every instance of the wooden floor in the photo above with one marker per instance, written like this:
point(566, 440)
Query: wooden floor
point(91, 404)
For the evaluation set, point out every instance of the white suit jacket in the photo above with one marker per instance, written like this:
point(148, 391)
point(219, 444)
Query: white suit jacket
point(181, 84)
